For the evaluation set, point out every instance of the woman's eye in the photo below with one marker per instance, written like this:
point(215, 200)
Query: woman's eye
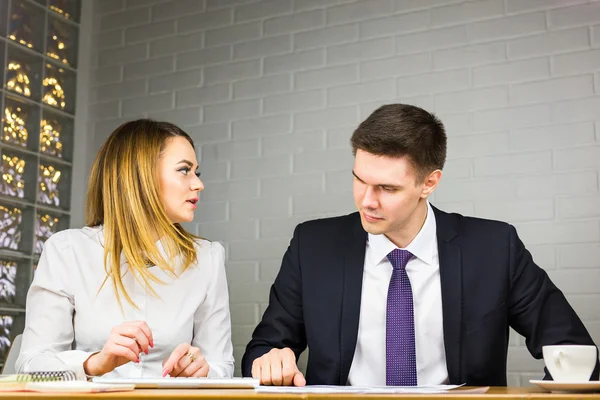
point(198, 174)
point(184, 170)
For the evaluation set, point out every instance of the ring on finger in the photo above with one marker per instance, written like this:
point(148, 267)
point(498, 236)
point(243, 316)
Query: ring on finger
point(191, 356)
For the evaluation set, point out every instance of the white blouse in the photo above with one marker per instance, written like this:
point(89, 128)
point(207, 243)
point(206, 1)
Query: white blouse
point(68, 318)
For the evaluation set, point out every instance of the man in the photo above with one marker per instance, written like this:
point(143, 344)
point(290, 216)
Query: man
point(401, 293)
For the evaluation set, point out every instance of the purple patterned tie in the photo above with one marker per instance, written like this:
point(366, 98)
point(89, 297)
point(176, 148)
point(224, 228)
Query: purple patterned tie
point(400, 354)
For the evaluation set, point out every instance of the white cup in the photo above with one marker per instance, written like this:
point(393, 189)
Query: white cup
point(570, 363)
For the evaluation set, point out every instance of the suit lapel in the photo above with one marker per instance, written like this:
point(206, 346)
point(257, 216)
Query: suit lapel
point(451, 283)
point(354, 256)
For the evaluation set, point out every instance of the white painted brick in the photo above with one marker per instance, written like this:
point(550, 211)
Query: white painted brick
point(458, 168)
point(268, 269)
point(263, 126)
point(241, 210)
point(520, 360)
point(297, 142)
point(108, 74)
point(439, 82)
point(297, 101)
point(585, 306)
point(214, 4)
point(237, 109)
point(175, 81)
point(507, 27)
point(228, 151)
point(574, 63)
point(294, 61)
point(176, 8)
point(261, 10)
point(233, 34)
point(549, 43)
point(410, 5)
point(551, 90)
point(244, 314)
point(517, 6)
point(150, 31)
point(300, 5)
point(518, 164)
point(202, 95)
point(474, 190)
point(228, 231)
point(329, 118)
point(544, 255)
point(508, 72)
point(291, 186)
point(359, 93)
point(150, 67)
point(366, 50)
point(560, 232)
point(262, 86)
point(470, 56)
point(555, 184)
point(176, 44)
point(206, 133)
point(326, 77)
point(457, 124)
point(358, 11)
point(513, 117)
point(110, 39)
point(183, 117)
point(481, 144)
point(462, 207)
point(396, 24)
point(396, 66)
point(258, 250)
point(214, 171)
point(466, 12)
point(232, 71)
point(310, 204)
point(576, 281)
point(297, 22)
point(108, 6)
point(549, 137)
point(425, 102)
point(262, 47)
point(578, 207)
point(578, 157)
point(338, 181)
point(124, 19)
point(326, 37)
point(596, 35)
point(201, 58)
point(431, 40)
point(276, 228)
point(316, 161)
point(579, 255)
point(141, 3)
point(339, 137)
point(207, 20)
point(104, 128)
point(210, 211)
point(575, 110)
point(477, 99)
point(148, 103)
point(575, 15)
point(232, 189)
point(106, 110)
point(122, 55)
point(516, 211)
point(121, 90)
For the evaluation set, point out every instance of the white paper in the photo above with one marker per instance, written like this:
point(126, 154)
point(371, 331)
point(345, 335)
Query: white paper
point(357, 389)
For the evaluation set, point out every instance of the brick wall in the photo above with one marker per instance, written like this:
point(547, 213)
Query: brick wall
point(271, 91)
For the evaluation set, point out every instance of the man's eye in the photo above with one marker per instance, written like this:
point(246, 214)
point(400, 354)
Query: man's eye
point(388, 189)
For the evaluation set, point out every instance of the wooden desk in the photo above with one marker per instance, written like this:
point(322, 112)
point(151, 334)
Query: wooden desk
point(495, 393)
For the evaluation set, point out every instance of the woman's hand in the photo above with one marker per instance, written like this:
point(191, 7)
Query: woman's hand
point(186, 361)
point(124, 344)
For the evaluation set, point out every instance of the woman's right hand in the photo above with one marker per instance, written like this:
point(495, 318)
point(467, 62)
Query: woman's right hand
point(124, 344)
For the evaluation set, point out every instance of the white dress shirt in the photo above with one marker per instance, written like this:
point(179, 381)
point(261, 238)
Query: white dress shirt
point(68, 318)
point(368, 366)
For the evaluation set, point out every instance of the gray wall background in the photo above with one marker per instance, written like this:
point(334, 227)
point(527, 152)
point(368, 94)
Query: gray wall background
point(271, 91)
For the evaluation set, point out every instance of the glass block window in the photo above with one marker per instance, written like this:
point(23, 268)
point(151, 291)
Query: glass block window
point(38, 67)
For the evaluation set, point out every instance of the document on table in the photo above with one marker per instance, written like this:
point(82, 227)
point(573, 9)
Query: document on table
point(366, 389)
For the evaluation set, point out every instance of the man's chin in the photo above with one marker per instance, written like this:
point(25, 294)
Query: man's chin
point(374, 228)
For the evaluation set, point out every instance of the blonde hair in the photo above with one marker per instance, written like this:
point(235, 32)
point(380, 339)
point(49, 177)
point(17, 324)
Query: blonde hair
point(124, 196)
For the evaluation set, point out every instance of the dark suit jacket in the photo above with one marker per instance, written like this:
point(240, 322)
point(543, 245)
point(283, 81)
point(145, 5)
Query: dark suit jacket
point(488, 281)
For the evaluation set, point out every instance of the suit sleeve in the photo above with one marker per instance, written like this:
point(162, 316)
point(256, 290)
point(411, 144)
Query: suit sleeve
point(282, 324)
point(538, 310)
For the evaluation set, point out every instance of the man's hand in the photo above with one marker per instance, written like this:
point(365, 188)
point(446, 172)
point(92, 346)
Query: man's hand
point(278, 367)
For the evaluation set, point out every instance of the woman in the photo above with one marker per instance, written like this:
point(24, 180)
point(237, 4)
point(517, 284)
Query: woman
point(133, 294)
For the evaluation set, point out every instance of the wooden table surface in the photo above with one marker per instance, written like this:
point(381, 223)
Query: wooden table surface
point(243, 394)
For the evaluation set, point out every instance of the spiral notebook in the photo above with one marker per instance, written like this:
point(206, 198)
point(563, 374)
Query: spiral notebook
point(55, 381)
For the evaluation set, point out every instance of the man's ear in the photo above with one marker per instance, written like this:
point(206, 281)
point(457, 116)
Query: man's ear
point(431, 182)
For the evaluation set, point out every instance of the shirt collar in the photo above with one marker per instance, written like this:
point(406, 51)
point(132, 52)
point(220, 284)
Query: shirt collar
point(421, 246)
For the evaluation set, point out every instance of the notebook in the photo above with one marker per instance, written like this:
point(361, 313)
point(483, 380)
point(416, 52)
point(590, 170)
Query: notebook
point(55, 381)
point(183, 383)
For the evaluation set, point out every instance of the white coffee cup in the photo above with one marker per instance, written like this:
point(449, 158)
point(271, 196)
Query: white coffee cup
point(570, 363)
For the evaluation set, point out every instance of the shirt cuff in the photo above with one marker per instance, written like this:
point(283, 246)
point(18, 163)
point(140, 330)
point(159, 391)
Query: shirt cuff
point(74, 360)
